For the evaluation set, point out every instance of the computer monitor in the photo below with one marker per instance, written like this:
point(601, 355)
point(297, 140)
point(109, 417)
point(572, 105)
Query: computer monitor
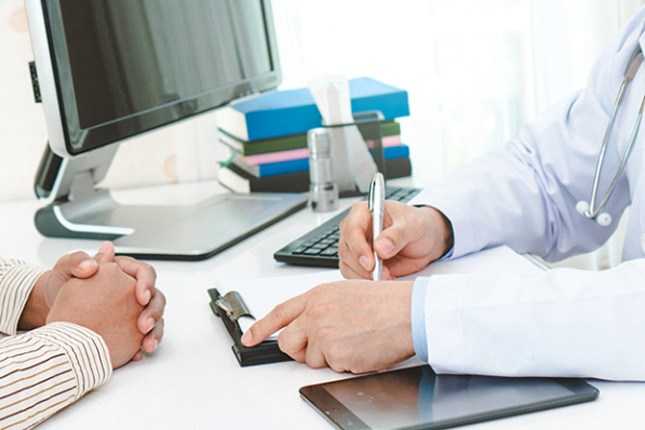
point(107, 71)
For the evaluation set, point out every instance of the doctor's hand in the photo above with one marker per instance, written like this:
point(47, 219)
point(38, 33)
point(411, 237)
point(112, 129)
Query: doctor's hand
point(412, 238)
point(357, 326)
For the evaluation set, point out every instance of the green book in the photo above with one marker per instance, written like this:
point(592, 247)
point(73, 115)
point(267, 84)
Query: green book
point(239, 180)
point(285, 143)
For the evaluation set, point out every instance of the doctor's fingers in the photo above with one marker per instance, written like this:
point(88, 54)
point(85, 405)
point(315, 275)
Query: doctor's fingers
point(415, 231)
point(349, 273)
point(402, 266)
point(355, 233)
point(351, 268)
point(293, 342)
point(281, 316)
point(317, 351)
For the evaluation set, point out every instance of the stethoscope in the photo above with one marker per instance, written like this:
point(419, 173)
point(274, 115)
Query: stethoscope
point(590, 210)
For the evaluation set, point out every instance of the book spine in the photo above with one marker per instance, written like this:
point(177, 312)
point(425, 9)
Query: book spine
point(289, 166)
point(390, 128)
point(240, 181)
point(398, 168)
point(300, 164)
point(269, 123)
point(274, 157)
point(399, 151)
point(285, 143)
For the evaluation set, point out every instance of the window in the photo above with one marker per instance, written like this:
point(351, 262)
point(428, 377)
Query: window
point(475, 69)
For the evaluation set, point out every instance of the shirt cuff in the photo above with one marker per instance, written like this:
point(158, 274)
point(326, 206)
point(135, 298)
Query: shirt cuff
point(16, 284)
point(419, 291)
point(86, 351)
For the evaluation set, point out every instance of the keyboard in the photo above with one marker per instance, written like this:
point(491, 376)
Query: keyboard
point(319, 247)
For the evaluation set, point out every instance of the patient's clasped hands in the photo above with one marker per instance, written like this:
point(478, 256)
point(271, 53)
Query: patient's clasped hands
point(113, 296)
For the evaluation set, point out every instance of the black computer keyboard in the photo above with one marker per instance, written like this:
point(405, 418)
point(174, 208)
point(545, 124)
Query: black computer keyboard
point(319, 247)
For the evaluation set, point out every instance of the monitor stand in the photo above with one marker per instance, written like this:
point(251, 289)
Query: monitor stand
point(78, 209)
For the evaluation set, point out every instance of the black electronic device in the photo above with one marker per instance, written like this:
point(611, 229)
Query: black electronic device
point(106, 71)
point(417, 398)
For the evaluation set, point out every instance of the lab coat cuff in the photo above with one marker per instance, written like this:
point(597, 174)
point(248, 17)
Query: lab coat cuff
point(462, 228)
point(418, 318)
point(444, 326)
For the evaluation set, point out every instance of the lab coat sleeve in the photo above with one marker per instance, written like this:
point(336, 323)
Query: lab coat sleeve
point(524, 195)
point(562, 322)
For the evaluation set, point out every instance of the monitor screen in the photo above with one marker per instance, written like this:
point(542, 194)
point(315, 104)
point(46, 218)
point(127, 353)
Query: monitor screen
point(123, 67)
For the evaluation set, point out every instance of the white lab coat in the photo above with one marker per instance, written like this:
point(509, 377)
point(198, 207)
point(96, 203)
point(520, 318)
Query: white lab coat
point(564, 322)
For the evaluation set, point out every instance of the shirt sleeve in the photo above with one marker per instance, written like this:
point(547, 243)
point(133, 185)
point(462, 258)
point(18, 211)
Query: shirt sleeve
point(17, 279)
point(47, 369)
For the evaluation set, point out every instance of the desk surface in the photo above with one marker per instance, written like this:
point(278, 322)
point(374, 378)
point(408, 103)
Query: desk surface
point(193, 380)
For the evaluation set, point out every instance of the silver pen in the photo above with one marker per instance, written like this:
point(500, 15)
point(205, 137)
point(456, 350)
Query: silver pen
point(376, 205)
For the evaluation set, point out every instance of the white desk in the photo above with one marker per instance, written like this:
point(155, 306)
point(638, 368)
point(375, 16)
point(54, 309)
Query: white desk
point(194, 381)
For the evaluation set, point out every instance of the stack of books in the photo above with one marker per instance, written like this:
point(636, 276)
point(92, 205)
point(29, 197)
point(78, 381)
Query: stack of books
point(266, 136)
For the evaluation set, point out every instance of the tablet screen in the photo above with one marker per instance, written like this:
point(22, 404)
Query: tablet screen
point(418, 398)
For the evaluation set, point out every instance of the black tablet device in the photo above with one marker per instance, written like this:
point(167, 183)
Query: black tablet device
point(417, 398)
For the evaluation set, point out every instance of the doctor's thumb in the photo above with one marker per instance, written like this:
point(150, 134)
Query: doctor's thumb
point(389, 243)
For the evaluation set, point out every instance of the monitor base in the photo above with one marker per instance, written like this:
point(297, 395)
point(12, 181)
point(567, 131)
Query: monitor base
point(165, 232)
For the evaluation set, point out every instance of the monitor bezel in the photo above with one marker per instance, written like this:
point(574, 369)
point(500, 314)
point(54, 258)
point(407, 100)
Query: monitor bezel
point(60, 108)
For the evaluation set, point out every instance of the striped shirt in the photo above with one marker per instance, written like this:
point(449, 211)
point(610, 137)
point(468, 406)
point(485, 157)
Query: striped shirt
point(44, 370)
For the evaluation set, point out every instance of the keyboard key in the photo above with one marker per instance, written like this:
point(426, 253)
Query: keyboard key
point(332, 251)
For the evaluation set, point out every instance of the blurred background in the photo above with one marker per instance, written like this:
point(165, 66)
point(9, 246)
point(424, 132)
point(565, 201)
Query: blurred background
point(475, 71)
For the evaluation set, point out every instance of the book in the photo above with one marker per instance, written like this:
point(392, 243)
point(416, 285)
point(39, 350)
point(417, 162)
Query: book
point(238, 180)
point(285, 143)
point(288, 112)
point(300, 164)
point(272, 169)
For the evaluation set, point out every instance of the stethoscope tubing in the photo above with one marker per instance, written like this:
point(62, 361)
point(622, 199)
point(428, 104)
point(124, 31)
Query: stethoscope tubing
point(591, 211)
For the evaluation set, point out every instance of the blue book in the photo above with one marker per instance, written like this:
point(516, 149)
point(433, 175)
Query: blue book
point(302, 164)
point(282, 113)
